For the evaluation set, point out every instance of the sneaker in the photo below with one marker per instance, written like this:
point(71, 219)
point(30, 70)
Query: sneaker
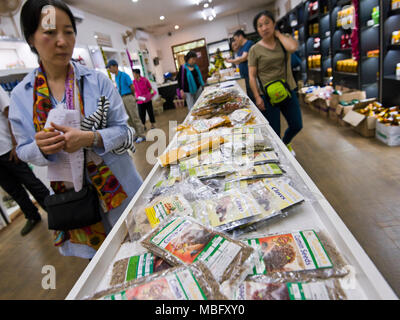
point(140, 139)
point(29, 225)
point(289, 146)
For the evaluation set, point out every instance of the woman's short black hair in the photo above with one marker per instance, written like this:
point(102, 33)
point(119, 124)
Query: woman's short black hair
point(137, 71)
point(265, 13)
point(190, 54)
point(31, 13)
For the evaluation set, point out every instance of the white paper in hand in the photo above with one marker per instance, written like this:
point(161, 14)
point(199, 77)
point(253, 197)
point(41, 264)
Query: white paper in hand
point(69, 166)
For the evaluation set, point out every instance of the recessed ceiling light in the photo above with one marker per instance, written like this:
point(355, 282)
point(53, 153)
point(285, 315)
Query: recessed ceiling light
point(176, 27)
point(135, 0)
point(162, 18)
point(206, 5)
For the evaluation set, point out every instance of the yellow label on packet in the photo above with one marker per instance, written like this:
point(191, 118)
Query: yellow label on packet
point(162, 209)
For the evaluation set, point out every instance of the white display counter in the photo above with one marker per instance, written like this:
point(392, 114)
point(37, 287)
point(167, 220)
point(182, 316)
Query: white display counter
point(318, 214)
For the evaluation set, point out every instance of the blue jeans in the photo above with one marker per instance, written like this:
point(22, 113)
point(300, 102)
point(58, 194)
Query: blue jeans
point(291, 112)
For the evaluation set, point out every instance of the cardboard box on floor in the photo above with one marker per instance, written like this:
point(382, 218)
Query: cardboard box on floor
point(364, 125)
point(341, 111)
point(389, 135)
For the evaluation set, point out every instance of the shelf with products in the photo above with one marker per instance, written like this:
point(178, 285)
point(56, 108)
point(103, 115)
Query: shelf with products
point(311, 214)
point(318, 39)
point(390, 62)
point(369, 44)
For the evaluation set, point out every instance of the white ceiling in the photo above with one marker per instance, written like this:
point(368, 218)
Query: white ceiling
point(146, 13)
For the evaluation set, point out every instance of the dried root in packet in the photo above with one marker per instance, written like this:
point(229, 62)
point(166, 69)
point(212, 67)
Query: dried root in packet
point(174, 155)
point(267, 170)
point(264, 288)
point(194, 282)
point(183, 241)
point(136, 267)
point(297, 256)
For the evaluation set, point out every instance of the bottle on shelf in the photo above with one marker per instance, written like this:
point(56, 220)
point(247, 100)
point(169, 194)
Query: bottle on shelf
point(375, 15)
point(398, 71)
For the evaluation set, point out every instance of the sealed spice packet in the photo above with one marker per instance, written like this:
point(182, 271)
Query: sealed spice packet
point(194, 282)
point(268, 170)
point(231, 209)
point(275, 195)
point(297, 256)
point(136, 267)
point(263, 288)
point(142, 220)
point(211, 171)
point(183, 241)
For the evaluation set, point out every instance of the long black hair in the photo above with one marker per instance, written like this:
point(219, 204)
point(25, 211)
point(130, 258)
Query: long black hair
point(265, 13)
point(31, 13)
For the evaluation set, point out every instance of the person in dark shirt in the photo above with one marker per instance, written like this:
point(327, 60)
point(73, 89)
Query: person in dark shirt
point(242, 53)
point(190, 80)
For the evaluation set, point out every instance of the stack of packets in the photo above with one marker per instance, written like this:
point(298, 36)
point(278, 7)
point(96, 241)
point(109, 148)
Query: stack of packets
point(388, 116)
point(220, 181)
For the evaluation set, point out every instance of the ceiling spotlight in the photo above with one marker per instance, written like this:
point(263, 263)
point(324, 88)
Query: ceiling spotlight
point(135, 0)
point(162, 18)
point(210, 18)
point(206, 5)
point(176, 27)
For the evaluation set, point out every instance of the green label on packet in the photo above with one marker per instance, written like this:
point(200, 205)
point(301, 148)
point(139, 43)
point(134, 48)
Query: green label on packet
point(139, 266)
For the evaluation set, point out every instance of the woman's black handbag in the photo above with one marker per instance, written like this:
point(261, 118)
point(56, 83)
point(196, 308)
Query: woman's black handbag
point(73, 210)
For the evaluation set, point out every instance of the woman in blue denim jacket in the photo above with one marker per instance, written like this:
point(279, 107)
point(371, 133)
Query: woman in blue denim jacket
point(57, 82)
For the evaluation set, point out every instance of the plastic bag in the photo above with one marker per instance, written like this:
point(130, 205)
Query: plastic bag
point(204, 158)
point(183, 241)
point(228, 210)
point(297, 256)
point(264, 288)
point(142, 220)
point(194, 282)
point(211, 171)
point(172, 156)
point(267, 170)
point(280, 195)
point(136, 267)
point(240, 117)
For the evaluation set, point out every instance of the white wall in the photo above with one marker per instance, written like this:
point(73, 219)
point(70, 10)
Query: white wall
point(282, 9)
point(211, 31)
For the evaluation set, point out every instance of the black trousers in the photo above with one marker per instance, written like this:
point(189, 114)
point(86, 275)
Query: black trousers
point(13, 176)
point(143, 107)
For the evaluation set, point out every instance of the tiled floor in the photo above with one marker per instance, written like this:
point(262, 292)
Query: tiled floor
point(360, 178)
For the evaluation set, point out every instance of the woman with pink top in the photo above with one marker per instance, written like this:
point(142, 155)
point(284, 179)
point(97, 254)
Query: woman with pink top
point(144, 93)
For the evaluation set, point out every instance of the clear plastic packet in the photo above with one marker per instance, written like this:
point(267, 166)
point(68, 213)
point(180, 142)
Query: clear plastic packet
point(267, 170)
point(281, 196)
point(245, 143)
point(264, 288)
point(229, 210)
point(184, 240)
point(240, 117)
point(203, 125)
point(136, 267)
point(143, 219)
point(297, 256)
point(194, 282)
point(211, 171)
point(173, 155)
point(204, 158)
